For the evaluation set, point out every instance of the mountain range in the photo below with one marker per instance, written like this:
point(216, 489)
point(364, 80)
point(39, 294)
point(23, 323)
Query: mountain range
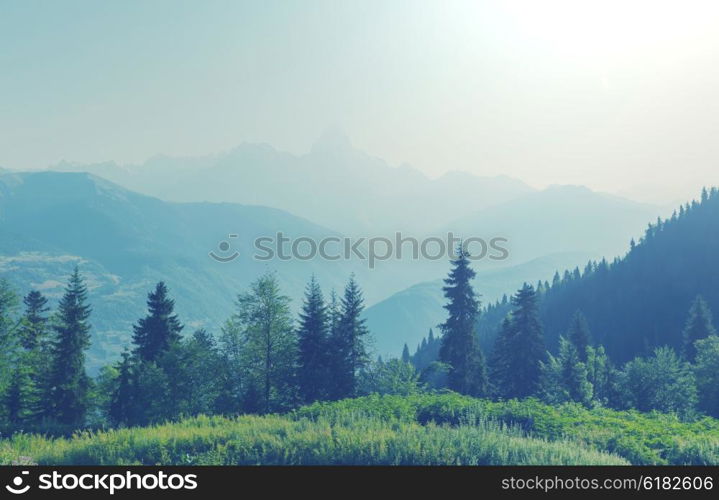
point(126, 242)
point(334, 185)
point(131, 226)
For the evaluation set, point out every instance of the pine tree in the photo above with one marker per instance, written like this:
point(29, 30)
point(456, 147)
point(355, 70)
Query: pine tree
point(121, 410)
point(348, 344)
point(579, 335)
point(460, 347)
point(406, 358)
point(35, 340)
point(557, 280)
point(68, 382)
point(33, 330)
point(500, 361)
point(524, 349)
point(699, 326)
point(160, 329)
point(313, 345)
point(20, 397)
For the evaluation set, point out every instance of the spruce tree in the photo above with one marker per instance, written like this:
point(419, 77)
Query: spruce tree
point(460, 347)
point(313, 345)
point(349, 350)
point(579, 335)
point(121, 409)
point(556, 280)
point(406, 358)
point(160, 329)
point(524, 351)
point(500, 361)
point(699, 326)
point(33, 330)
point(35, 340)
point(20, 397)
point(68, 382)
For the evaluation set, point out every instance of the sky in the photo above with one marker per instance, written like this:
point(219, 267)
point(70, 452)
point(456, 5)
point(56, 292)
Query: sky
point(621, 96)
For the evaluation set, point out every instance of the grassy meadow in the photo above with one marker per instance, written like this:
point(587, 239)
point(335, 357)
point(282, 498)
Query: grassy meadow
point(392, 430)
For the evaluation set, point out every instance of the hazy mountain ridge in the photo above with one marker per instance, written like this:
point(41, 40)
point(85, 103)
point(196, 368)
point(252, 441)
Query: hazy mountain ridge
point(334, 184)
point(129, 240)
point(560, 219)
point(125, 242)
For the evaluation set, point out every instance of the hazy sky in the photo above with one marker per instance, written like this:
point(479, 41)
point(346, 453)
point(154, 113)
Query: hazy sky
point(622, 96)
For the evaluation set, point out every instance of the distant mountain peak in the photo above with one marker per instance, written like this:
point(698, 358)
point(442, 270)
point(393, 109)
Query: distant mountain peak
point(332, 140)
point(569, 188)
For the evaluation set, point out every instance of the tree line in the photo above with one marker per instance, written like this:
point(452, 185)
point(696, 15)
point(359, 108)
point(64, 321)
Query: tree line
point(639, 301)
point(520, 366)
point(265, 360)
point(262, 361)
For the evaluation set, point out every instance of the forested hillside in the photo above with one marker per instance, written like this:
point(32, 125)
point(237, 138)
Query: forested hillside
point(641, 301)
point(126, 242)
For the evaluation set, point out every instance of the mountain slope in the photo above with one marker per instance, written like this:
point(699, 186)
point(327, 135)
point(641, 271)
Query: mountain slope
point(559, 219)
point(642, 300)
point(125, 242)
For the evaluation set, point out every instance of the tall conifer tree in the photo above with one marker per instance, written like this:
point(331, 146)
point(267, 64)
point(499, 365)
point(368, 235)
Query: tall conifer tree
point(460, 347)
point(406, 358)
point(160, 329)
point(349, 349)
point(579, 335)
point(68, 381)
point(313, 345)
point(33, 330)
point(527, 345)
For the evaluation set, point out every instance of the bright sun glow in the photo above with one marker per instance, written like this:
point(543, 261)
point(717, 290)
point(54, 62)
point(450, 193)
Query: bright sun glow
point(610, 29)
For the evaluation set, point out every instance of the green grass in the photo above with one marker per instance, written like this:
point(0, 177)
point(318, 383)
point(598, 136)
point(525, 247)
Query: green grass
point(276, 440)
point(641, 438)
point(377, 430)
